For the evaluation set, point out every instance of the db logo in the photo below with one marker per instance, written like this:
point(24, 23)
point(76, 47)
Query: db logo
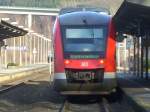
point(84, 64)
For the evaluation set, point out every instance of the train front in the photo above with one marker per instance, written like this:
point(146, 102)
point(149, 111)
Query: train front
point(84, 53)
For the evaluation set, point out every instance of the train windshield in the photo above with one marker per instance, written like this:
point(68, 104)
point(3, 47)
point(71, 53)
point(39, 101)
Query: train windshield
point(84, 39)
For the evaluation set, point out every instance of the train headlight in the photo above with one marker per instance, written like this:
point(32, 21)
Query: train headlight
point(67, 61)
point(101, 61)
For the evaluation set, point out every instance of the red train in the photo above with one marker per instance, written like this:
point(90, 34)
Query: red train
point(84, 53)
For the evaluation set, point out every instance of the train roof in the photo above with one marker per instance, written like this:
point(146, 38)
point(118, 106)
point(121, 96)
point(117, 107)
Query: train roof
point(70, 10)
point(84, 17)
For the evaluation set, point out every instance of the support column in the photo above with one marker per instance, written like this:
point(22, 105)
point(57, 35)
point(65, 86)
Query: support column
point(50, 57)
point(30, 28)
point(142, 48)
point(138, 48)
point(20, 50)
point(125, 55)
point(138, 57)
point(30, 49)
point(5, 56)
point(118, 56)
point(46, 51)
point(34, 50)
point(41, 54)
point(29, 21)
point(0, 58)
point(146, 62)
point(14, 51)
point(38, 50)
point(26, 52)
point(134, 64)
point(146, 54)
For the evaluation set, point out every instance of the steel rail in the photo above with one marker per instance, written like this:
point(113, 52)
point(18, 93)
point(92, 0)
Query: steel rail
point(106, 105)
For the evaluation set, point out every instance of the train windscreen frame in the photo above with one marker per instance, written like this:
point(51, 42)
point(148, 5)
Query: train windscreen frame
point(84, 42)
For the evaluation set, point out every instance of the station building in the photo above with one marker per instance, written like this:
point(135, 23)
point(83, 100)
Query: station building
point(32, 48)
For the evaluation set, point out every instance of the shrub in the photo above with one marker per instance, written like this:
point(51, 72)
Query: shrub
point(12, 64)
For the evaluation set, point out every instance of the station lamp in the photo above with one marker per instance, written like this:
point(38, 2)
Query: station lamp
point(21, 26)
point(14, 23)
point(5, 19)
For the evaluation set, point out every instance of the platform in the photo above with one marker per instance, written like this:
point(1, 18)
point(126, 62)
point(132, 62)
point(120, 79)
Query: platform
point(12, 74)
point(137, 90)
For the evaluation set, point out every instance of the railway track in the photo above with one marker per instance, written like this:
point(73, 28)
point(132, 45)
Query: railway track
point(117, 103)
point(6, 88)
point(99, 106)
point(105, 105)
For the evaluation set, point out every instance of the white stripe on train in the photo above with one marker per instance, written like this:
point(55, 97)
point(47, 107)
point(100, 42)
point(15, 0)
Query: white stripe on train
point(107, 75)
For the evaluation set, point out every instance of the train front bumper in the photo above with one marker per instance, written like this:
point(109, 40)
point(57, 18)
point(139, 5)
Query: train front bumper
point(106, 86)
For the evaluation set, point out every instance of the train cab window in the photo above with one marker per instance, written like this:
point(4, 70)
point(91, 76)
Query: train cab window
point(84, 33)
point(84, 39)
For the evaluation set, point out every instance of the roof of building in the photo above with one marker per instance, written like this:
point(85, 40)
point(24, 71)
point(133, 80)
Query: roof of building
point(131, 15)
point(7, 30)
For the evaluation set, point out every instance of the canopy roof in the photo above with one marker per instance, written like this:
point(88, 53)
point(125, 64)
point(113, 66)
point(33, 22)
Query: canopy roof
point(7, 30)
point(133, 17)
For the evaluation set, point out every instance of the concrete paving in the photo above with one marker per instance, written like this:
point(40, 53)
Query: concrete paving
point(12, 74)
point(20, 69)
point(137, 89)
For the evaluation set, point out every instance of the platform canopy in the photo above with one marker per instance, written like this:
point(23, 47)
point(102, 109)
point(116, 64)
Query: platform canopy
point(7, 30)
point(133, 17)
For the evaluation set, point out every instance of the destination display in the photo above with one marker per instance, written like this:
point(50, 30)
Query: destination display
point(84, 56)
